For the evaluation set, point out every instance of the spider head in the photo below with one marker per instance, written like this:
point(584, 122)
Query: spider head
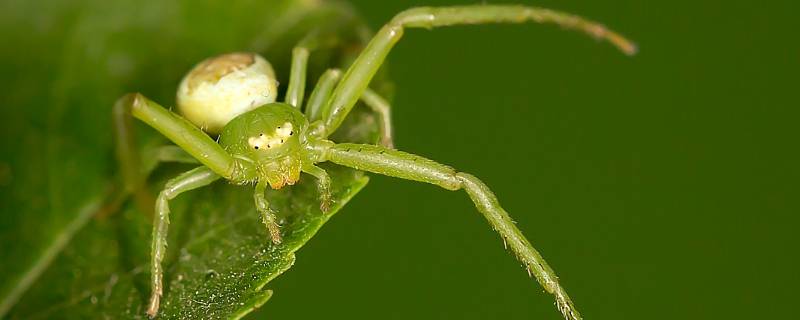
point(270, 138)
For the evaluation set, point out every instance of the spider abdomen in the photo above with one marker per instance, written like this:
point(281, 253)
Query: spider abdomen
point(220, 88)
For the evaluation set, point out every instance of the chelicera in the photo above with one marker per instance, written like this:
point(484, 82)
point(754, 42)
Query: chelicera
point(265, 143)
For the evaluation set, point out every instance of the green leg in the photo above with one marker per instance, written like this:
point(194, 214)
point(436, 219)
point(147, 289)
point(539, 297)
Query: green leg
point(267, 215)
point(321, 93)
point(360, 73)
point(192, 179)
point(128, 158)
point(323, 185)
point(297, 78)
point(412, 167)
point(181, 132)
point(133, 167)
point(170, 153)
point(126, 151)
point(380, 106)
point(315, 40)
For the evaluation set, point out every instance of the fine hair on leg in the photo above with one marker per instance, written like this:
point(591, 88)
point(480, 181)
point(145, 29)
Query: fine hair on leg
point(408, 166)
point(360, 73)
point(190, 180)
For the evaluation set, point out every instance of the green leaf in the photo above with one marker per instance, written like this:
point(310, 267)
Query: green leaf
point(66, 252)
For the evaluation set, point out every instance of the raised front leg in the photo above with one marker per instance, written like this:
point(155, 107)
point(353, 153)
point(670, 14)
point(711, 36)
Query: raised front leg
point(360, 73)
point(193, 179)
point(180, 131)
point(404, 165)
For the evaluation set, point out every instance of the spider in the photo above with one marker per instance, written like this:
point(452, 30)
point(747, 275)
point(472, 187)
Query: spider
point(266, 143)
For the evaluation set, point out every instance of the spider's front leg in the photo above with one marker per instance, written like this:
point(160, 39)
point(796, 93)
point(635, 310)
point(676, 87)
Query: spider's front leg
point(193, 179)
point(323, 185)
point(267, 215)
point(408, 166)
point(180, 131)
point(361, 72)
point(217, 164)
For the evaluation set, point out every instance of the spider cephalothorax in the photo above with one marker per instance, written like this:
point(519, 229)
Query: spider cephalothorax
point(267, 143)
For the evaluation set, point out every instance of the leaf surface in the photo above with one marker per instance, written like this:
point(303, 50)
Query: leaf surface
point(65, 252)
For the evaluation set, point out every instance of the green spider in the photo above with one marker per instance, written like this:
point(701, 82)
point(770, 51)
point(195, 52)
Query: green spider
point(266, 143)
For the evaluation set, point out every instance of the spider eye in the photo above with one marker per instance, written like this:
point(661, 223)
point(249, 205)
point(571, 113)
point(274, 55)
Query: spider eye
point(255, 147)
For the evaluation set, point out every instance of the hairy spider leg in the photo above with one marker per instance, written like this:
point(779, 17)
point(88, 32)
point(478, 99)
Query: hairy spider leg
point(320, 96)
point(381, 107)
point(127, 154)
point(361, 72)
point(297, 76)
point(323, 185)
point(408, 166)
point(134, 167)
point(403, 165)
point(190, 180)
point(268, 216)
point(217, 164)
point(183, 133)
point(299, 69)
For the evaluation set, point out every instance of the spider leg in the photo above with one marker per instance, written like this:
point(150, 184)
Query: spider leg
point(163, 154)
point(360, 73)
point(128, 158)
point(267, 215)
point(380, 106)
point(177, 129)
point(314, 40)
point(323, 185)
point(321, 93)
point(317, 105)
point(297, 78)
point(408, 166)
point(192, 179)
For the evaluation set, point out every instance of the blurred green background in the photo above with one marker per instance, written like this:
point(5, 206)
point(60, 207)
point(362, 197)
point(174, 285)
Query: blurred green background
point(659, 186)
point(662, 186)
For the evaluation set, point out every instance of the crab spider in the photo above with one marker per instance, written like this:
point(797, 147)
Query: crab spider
point(266, 143)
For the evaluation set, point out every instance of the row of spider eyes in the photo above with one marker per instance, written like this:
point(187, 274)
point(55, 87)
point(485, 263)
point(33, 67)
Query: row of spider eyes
point(282, 132)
